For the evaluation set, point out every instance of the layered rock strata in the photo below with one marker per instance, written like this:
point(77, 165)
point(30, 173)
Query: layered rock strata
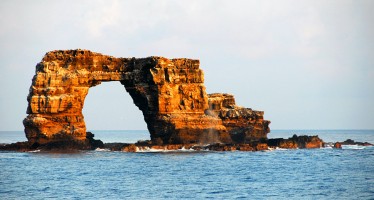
point(169, 92)
point(243, 124)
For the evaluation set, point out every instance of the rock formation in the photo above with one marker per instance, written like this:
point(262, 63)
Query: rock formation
point(337, 145)
point(170, 93)
point(352, 142)
point(243, 124)
point(302, 142)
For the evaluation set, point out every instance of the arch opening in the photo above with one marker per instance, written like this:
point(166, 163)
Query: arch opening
point(110, 114)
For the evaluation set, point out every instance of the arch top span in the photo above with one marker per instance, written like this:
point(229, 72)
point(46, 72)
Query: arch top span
point(169, 92)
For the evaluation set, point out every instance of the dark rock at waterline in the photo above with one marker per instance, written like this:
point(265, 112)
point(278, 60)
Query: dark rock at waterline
point(116, 146)
point(302, 142)
point(19, 146)
point(337, 145)
point(60, 146)
point(293, 142)
point(308, 142)
point(352, 142)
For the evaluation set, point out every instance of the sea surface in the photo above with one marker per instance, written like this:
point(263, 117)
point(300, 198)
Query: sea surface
point(324, 173)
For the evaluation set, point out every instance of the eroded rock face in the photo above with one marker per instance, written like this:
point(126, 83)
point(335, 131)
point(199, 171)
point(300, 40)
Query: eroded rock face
point(59, 87)
point(243, 124)
point(170, 93)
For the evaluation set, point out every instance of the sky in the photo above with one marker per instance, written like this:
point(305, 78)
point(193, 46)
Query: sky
point(308, 64)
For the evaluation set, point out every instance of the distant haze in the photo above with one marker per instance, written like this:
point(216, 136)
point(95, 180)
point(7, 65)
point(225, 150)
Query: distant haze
point(307, 64)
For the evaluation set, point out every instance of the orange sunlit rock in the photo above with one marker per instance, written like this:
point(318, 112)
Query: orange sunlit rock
point(170, 93)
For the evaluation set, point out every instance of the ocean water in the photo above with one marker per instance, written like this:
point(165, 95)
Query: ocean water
point(279, 174)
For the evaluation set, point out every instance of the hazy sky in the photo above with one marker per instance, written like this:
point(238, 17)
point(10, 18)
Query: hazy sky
point(307, 64)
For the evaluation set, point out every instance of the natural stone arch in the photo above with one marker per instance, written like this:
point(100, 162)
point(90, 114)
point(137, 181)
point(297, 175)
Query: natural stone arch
point(169, 92)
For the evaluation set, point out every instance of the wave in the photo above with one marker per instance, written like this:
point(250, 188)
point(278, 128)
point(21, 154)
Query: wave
point(281, 149)
point(276, 149)
point(356, 147)
point(153, 150)
point(100, 149)
point(34, 151)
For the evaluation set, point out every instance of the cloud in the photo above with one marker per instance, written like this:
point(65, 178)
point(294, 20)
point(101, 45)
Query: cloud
point(268, 53)
point(100, 16)
point(125, 17)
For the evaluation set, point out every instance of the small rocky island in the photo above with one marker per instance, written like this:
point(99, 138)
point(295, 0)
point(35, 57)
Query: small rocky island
point(169, 92)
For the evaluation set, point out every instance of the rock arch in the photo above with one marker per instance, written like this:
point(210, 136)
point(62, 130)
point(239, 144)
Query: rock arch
point(169, 92)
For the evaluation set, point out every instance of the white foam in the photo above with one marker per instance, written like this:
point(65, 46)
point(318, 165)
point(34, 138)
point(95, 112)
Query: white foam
point(353, 147)
point(100, 149)
point(147, 149)
point(281, 149)
point(35, 151)
point(151, 150)
point(184, 149)
point(328, 145)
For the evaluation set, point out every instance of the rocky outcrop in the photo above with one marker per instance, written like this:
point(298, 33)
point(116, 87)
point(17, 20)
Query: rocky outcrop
point(64, 146)
point(352, 142)
point(243, 124)
point(337, 145)
point(169, 92)
point(302, 142)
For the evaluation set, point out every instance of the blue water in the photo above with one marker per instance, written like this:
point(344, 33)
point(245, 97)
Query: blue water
point(281, 174)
